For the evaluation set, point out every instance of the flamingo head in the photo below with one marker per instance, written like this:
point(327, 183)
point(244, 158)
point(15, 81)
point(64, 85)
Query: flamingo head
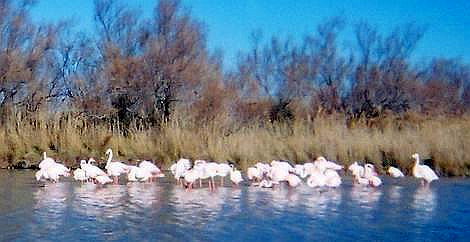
point(82, 162)
point(109, 151)
point(415, 156)
point(91, 160)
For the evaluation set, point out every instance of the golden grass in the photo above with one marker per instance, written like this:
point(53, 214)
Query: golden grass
point(391, 142)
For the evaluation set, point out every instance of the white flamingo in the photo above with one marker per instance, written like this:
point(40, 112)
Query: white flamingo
point(300, 171)
point(316, 179)
point(79, 175)
point(395, 172)
point(324, 164)
point(212, 170)
point(115, 168)
point(138, 174)
point(253, 174)
point(278, 174)
point(223, 170)
point(423, 171)
point(235, 175)
point(369, 174)
point(190, 177)
point(178, 169)
point(356, 169)
point(293, 180)
point(46, 162)
point(152, 168)
point(91, 171)
point(332, 178)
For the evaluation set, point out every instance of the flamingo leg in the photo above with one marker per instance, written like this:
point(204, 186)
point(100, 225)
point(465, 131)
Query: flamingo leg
point(213, 183)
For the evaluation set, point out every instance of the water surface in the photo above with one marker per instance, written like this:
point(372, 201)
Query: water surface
point(70, 211)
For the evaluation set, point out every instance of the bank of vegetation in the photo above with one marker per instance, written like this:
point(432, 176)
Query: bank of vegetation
point(151, 88)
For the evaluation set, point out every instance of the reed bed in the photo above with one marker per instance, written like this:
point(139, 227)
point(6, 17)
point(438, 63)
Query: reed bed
point(392, 141)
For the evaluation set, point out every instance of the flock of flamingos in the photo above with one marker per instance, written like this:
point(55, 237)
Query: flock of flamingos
point(320, 173)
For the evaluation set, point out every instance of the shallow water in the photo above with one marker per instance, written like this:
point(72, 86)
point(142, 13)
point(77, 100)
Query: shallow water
point(399, 210)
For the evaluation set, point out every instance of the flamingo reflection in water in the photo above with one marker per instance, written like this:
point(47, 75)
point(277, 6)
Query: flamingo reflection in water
point(322, 202)
point(50, 206)
point(144, 195)
point(199, 206)
point(100, 202)
point(424, 202)
point(365, 197)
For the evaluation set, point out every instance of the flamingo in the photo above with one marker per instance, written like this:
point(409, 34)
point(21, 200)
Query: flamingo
point(235, 175)
point(79, 175)
point(332, 178)
point(46, 162)
point(324, 164)
point(278, 174)
point(223, 170)
point(91, 171)
point(300, 171)
point(356, 169)
point(115, 168)
point(212, 171)
point(263, 167)
point(152, 168)
point(423, 171)
point(361, 180)
point(316, 179)
point(293, 180)
point(370, 175)
point(138, 174)
point(48, 173)
point(41, 174)
point(253, 173)
point(178, 169)
point(283, 164)
point(190, 177)
point(395, 172)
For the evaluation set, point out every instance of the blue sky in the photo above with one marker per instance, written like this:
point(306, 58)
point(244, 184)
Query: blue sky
point(229, 22)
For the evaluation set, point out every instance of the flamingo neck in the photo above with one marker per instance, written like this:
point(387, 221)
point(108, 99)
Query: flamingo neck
point(45, 156)
point(417, 161)
point(110, 157)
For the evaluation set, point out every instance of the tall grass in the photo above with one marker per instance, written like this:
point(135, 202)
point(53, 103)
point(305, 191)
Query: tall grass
point(391, 141)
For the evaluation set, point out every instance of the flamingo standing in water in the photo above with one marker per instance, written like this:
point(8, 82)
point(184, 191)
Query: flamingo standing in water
point(223, 170)
point(235, 175)
point(395, 172)
point(293, 180)
point(179, 169)
point(46, 162)
point(369, 174)
point(152, 168)
point(115, 168)
point(423, 171)
point(254, 174)
point(79, 175)
point(91, 171)
point(356, 169)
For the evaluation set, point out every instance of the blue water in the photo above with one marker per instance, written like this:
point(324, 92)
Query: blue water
point(69, 211)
